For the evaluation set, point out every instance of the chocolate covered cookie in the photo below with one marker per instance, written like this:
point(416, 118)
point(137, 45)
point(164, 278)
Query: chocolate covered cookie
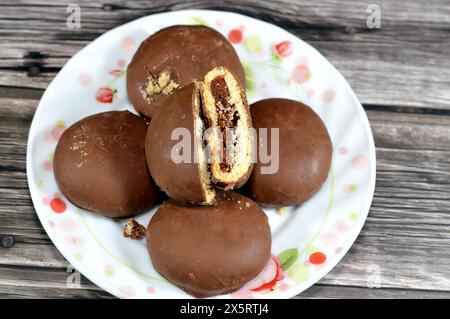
point(210, 250)
point(200, 138)
point(304, 158)
point(174, 148)
point(100, 165)
point(173, 57)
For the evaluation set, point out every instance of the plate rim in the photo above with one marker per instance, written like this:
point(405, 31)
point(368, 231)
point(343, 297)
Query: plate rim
point(295, 290)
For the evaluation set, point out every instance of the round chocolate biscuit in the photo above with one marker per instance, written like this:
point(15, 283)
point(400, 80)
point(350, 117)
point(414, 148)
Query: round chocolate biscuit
point(172, 58)
point(210, 250)
point(100, 165)
point(304, 156)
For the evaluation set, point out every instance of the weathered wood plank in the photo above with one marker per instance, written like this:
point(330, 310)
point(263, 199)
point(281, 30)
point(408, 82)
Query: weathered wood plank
point(329, 12)
point(23, 79)
point(25, 292)
point(410, 131)
point(346, 292)
point(16, 109)
point(32, 255)
point(400, 60)
point(30, 282)
point(42, 277)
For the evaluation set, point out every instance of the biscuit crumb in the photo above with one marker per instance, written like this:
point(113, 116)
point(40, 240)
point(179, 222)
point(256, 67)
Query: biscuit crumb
point(160, 84)
point(133, 229)
point(247, 204)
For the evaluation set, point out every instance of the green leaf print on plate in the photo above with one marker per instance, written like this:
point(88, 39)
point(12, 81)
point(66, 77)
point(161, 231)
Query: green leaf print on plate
point(276, 60)
point(288, 257)
point(197, 20)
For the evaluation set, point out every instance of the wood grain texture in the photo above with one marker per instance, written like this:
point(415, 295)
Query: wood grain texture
point(55, 282)
point(31, 282)
point(407, 59)
point(401, 74)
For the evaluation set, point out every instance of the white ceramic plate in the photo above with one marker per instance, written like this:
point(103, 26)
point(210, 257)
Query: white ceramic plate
point(308, 240)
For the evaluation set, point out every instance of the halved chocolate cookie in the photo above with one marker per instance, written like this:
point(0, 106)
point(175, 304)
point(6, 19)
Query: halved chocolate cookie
point(174, 57)
point(226, 112)
point(175, 150)
point(200, 137)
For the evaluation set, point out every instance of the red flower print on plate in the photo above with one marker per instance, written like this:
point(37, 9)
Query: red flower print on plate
point(268, 278)
point(58, 205)
point(317, 258)
point(235, 36)
point(116, 72)
point(104, 95)
point(283, 48)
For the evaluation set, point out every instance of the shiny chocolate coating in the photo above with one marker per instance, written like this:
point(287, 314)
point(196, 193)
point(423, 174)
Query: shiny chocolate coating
point(210, 250)
point(100, 165)
point(305, 152)
point(179, 180)
point(186, 52)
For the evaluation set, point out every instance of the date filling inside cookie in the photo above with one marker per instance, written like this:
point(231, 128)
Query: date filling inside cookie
point(227, 118)
point(226, 112)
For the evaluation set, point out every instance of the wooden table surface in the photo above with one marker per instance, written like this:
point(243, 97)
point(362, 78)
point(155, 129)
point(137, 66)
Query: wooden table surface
point(400, 72)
